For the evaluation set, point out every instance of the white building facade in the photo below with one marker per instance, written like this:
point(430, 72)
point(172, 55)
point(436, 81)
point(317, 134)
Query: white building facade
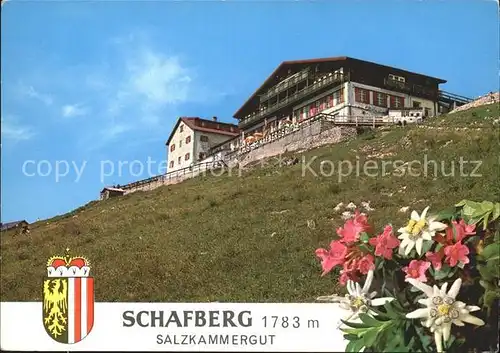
point(192, 138)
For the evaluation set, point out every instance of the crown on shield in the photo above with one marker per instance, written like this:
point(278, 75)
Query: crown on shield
point(68, 266)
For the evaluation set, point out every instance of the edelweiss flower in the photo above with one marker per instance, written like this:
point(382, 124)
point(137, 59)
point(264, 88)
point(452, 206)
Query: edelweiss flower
point(346, 215)
point(358, 300)
point(419, 228)
point(442, 310)
point(366, 206)
point(337, 208)
point(351, 206)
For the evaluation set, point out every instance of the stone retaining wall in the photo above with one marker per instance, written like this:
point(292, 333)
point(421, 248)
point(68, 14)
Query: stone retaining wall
point(316, 134)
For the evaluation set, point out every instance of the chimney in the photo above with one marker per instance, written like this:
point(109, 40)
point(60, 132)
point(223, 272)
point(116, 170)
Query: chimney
point(214, 118)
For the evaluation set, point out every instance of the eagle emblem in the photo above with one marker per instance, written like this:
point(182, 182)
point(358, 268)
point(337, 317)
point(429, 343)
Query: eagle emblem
point(68, 299)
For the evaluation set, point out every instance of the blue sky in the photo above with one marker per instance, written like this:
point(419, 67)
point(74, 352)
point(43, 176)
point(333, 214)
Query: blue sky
point(91, 84)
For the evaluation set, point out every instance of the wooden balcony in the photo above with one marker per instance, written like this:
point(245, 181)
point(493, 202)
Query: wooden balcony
point(411, 89)
point(398, 85)
point(285, 84)
point(319, 84)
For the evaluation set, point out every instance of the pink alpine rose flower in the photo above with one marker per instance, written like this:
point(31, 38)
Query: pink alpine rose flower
point(436, 258)
point(456, 253)
point(366, 263)
point(463, 229)
point(353, 228)
point(384, 243)
point(416, 270)
point(333, 257)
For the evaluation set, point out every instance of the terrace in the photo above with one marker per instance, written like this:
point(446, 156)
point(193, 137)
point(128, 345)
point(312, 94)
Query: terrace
point(357, 121)
point(325, 81)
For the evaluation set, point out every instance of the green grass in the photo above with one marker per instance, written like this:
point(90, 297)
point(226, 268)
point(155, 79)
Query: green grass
point(227, 239)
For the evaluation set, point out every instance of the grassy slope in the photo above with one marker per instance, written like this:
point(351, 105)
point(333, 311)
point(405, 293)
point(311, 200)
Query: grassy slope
point(221, 238)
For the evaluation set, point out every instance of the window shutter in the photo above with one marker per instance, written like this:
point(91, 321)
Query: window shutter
point(357, 95)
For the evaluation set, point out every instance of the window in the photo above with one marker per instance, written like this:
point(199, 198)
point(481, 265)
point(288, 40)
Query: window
point(312, 109)
point(416, 104)
point(186, 157)
point(362, 95)
point(396, 78)
point(380, 99)
point(179, 160)
point(203, 138)
point(397, 102)
point(329, 101)
point(188, 139)
point(181, 128)
point(172, 148)
point(171, 164)
point(336, 96)
point(180, 143)
point(201, 155)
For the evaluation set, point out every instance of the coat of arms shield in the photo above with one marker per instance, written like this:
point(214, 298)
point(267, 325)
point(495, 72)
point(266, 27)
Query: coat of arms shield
point(68, 299)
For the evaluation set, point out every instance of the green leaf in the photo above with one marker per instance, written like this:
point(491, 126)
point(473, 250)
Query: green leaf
point(496, 212)
point(485, 273)
point(442, 273)
point(491, 250)
point(351, 346)
point(355, 346)
point(355, 324)
point(391, 312)
point(367, 319)
point(370, 337)
point(486, 285)
point(364, 237)
point(487, 206)
point(358, 332)
point(446, 214)
point(364, 248)
point(427, 245)
point(485, 220)
point(461, 203)
point(468, 210)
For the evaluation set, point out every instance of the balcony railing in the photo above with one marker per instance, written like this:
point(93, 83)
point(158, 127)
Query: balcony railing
point(321, 83)
point(403, 86)
point(411, 88)
point(344, 120)
point(285, 84)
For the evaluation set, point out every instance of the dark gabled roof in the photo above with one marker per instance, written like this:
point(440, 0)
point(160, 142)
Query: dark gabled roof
point(320, 60)
point(10, 225)
point(194, 123)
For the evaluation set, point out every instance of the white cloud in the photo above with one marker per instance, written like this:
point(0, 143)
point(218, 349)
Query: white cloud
point(73, 110)
point(130, 87)
point(32, 93)
point(161, 80)
point(150, 81)
point(12, 130)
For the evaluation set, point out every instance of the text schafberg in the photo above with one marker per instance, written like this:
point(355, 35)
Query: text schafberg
point(187, 318)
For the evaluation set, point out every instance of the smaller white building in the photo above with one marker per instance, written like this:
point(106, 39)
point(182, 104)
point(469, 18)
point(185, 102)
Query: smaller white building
point(405, 116)
point(192, 139)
